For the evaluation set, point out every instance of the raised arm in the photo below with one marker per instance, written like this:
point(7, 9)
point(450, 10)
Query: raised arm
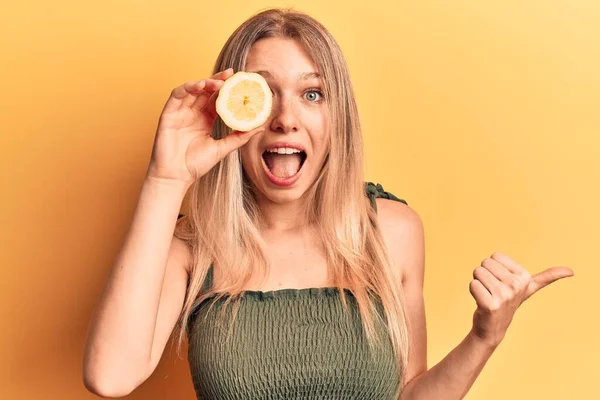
point(146, 287)
point(499, 287)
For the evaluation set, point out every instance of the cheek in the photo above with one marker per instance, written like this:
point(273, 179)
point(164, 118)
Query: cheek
point(317, 124)
point(318, 120)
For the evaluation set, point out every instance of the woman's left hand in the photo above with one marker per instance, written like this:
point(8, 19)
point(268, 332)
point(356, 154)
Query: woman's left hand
point(499, 287)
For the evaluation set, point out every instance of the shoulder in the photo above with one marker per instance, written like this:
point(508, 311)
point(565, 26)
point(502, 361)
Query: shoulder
point(403, 232)
point(393, 212)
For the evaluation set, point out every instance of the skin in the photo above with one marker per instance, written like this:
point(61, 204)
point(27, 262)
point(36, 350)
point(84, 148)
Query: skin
point(299, 115)
point(135, 317)
point(499, 286)
point(294, 252)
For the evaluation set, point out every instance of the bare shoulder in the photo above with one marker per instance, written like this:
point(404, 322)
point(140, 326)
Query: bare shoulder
point(403, 232)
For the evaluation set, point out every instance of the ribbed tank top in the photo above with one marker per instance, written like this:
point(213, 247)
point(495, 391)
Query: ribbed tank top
point(290, 344)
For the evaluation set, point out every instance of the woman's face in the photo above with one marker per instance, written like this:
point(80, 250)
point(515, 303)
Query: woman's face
point(298, 121)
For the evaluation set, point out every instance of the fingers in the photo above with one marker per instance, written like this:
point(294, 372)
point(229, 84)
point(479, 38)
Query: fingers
point(223, 75)
point(482, 296)
point(208, 96)
point(501, 272)
point(199, 102)
point(199, 93)
point(510, 264)
point(488, 280)
point(181, 93)
point(195, 93)
point(210, 105)
point(503, 278)
point(191, 91)
point(234, 140)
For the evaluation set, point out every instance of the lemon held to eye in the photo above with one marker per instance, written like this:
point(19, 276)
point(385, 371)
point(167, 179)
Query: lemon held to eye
point(244, 101)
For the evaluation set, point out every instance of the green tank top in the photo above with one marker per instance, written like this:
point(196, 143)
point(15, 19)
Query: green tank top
point(290, 344)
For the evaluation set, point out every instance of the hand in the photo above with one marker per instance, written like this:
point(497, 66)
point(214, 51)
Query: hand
point(499, 287)
point(184, 149)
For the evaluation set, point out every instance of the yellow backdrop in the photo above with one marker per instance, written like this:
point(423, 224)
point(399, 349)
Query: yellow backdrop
point(483, 115)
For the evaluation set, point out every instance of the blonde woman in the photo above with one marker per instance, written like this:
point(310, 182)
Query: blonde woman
point(305, 286)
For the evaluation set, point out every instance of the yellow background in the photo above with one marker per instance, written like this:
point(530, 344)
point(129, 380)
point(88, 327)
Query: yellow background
point(483, 115)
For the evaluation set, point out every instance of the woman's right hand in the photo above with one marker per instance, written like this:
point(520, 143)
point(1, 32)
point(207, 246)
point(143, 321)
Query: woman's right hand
point(184, 149)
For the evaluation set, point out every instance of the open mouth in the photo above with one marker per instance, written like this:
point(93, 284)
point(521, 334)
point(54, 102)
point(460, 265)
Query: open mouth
point(283, 164)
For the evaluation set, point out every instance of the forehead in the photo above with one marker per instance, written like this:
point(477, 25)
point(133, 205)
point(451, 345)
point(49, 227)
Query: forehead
point(282, 58)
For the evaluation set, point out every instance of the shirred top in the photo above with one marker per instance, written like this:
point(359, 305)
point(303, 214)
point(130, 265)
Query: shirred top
point(290, 344)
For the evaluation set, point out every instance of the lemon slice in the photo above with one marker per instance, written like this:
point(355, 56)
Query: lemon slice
point(244, 101)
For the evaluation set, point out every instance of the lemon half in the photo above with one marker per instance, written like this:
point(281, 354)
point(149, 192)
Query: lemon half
point(244, 101)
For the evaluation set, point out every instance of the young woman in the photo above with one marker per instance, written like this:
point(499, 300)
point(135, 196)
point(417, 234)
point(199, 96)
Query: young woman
point(320, 278)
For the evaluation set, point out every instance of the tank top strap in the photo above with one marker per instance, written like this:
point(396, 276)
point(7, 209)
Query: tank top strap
point(375, 190)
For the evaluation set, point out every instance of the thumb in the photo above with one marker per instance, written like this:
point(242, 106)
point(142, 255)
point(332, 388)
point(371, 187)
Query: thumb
point(234, 140)
point(545, 278)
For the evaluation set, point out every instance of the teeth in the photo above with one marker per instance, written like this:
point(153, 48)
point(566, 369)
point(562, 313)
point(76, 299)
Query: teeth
point(283, 150)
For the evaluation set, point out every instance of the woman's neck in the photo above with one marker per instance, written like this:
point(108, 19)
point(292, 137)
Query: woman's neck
point(282, 217)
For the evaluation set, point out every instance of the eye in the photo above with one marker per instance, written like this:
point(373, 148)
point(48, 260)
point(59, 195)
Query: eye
point(313, 95)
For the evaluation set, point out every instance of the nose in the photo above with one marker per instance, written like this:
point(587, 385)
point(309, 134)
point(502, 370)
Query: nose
point(285, 117)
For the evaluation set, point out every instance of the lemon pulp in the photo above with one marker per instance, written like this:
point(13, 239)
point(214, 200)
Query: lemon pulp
point(244, 101)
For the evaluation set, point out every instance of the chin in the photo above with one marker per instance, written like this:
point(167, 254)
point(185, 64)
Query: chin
point(278, 193)
point(279, 196)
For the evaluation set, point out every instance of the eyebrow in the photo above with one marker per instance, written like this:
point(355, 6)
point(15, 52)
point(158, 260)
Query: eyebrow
point(302, 76)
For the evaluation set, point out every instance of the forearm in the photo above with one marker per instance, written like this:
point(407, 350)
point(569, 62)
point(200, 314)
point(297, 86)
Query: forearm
point(452, 377)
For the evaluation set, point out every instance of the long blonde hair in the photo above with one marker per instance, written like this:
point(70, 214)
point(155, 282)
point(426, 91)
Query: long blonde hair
point(222, 225)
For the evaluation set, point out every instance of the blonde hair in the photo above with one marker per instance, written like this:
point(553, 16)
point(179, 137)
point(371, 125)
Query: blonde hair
point(222, 225)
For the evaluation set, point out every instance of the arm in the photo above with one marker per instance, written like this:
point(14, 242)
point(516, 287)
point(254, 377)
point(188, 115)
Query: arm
point(142, 298)
point(146, 289)
point(454, 375)
point(499, 287)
